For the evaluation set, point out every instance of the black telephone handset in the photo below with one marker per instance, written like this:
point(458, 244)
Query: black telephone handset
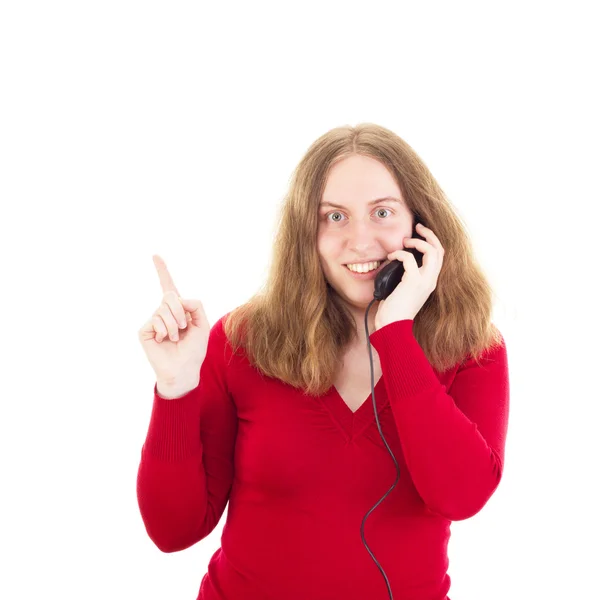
point(391, 275)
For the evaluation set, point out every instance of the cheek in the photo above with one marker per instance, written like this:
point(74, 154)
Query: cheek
point(323, 254)
point(327, 248)
point(394, 240)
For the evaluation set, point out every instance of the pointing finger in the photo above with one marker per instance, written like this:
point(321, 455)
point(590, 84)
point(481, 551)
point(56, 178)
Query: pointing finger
point(166, 281)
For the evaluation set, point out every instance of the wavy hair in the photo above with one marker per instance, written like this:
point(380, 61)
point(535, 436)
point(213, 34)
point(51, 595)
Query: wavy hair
point(296, 327)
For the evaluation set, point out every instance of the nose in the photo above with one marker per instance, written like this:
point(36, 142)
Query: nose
point(360, 236)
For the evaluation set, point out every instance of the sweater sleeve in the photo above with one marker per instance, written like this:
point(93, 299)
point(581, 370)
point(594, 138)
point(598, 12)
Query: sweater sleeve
point(186, 467)
point(452, 440)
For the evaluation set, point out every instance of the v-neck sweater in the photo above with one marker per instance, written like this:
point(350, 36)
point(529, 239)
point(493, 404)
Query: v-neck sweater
point(299, 473)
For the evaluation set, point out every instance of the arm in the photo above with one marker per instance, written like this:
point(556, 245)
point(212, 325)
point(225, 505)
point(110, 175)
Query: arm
point(453, 441)
point(186, 467)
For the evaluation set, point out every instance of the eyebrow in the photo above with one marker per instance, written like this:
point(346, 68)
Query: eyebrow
point(371, 203)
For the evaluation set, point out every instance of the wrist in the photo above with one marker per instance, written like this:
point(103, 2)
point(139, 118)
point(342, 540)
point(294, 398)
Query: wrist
point(176, 389)
point(384, 323)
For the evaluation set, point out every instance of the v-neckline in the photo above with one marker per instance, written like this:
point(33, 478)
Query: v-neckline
point(354, 423)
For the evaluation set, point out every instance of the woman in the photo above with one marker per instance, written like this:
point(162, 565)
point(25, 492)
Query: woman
point(268, 410)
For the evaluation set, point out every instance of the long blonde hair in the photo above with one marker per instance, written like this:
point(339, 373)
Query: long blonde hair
point(296, 327)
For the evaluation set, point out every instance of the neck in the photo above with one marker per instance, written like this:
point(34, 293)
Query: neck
point(361, 334)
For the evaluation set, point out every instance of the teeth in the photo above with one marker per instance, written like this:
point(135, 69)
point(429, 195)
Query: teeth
point(364, 268)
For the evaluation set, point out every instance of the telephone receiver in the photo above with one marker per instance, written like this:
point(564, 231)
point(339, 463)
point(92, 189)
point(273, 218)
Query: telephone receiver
point(391, 275)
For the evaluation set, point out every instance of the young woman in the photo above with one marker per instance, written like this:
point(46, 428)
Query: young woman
point(270, 409)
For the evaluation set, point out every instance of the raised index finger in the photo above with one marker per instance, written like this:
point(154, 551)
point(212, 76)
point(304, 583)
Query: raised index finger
point(166, 281)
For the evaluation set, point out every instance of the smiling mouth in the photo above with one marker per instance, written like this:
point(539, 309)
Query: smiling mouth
point(379, 260)
point(382, 264)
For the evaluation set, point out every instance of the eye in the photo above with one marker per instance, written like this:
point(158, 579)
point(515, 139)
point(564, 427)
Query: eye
point(339, 213)
point(333, 213)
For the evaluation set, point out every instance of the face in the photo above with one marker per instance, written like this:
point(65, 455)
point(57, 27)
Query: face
point(359, 231)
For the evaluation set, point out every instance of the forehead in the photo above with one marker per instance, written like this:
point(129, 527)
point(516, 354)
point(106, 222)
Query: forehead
point(359, 181)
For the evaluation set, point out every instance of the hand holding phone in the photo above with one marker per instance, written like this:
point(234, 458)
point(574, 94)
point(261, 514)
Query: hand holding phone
point(391, 275)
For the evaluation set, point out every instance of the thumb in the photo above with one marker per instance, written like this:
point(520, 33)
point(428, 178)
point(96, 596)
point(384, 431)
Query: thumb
point(194, 311)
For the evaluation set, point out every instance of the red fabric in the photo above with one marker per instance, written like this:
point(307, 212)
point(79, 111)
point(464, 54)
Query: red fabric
point(301, 472)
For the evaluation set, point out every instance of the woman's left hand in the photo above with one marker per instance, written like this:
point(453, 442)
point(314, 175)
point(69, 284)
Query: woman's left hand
point(417, 283)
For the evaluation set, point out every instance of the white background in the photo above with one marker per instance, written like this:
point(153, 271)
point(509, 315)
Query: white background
point(134, 128)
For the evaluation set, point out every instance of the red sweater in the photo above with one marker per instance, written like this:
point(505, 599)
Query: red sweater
point(301, 472)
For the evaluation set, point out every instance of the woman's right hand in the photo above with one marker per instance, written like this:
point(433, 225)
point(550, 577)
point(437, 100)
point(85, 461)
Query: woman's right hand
point(175, 338)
